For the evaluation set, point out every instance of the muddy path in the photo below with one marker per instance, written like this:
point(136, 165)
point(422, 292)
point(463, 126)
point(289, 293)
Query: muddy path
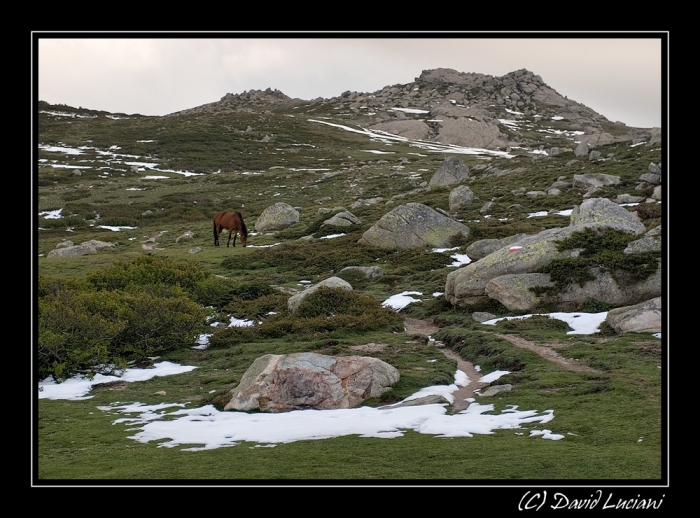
point(414, 326)
point(548, 352)
point(427, 329)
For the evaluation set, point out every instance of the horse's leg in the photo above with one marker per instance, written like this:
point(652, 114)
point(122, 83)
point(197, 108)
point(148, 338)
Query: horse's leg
point(235, 235)
point(229, 238)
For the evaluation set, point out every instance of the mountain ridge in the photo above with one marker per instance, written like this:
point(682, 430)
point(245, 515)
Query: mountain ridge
point(447, 106)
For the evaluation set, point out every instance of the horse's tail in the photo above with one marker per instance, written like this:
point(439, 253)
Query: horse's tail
point(215, 235)
point(244, 229)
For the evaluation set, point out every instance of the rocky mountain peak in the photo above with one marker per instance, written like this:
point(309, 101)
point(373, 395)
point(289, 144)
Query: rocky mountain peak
point(249, 100)
point(268, 95)
point(448, 106)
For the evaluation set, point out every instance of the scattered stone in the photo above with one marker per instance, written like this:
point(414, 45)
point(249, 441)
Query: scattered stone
point(461, 198)
point(366, 202)
point(586, 181)
point(535, 194)
point(450, 172)
point(581, 149)
point(343, 219)
point(486, 208)
point(370, 272)
point(413, 225)
point(484, 247)
point(482, 316)
point(496, 389)
point(432, 399)
point(280, 383)
point(88, 247)
point(276, 217)
point(187, 235)
point(333, 282)
point(628, 198)
point(644, 317)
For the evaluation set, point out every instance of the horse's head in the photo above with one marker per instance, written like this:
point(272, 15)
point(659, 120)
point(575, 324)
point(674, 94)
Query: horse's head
point(244, 238)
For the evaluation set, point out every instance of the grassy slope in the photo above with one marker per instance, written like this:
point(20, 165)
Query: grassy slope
point(606, 414)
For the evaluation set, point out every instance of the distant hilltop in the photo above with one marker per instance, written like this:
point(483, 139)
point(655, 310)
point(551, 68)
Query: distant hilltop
point(458, 108)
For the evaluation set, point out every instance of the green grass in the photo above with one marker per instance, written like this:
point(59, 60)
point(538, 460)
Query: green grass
point(308, 165)
point(611, 422)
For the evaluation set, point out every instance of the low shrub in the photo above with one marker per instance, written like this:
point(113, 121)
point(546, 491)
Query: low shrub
point(148, 271)
point(95, 331)
point(595, 306)
point(598, 249)
point(535, 322)
point(648, 211)
point(257, 308)
point(214, 291)
point(324, 313)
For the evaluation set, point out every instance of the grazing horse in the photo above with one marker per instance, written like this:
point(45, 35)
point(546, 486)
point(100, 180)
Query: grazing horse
point(233, 222)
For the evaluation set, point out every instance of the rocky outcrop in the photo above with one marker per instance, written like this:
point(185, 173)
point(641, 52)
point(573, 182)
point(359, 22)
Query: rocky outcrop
point(484, 247)
point(471, 133)
point(451, 107)
point(413, 225)
point(280, 383)
point(411, 129)
point(614, 288)
point(461, 197)
point(451, 171)
point(467, 285)
point(276, 217)
point(650, 242)
point(586, 181)
point(88, 247)
point(343, 219)
point(514, 291)
point(251, 100)
point(644, 317)
point(332, 282)
point(603, 213)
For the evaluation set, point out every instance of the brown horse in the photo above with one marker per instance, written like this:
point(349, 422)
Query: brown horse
point(233, 222)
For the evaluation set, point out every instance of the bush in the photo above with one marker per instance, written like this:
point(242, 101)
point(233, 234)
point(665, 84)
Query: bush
point(595, 306)
point(257, 308)
point(149, 271)
point(326, 311)
point(252, 290)
point(535, 322)
point(214, 291)
point(648, 211)
point(96, 331)
point(598, 249)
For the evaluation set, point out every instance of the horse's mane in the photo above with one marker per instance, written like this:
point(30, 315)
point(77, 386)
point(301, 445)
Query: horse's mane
point(244, 229)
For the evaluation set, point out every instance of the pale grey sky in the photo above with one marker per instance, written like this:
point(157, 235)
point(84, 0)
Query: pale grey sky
point(619, 77)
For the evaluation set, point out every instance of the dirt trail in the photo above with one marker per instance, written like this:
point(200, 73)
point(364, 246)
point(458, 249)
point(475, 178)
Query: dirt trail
point(547, 353)
point(415, 326)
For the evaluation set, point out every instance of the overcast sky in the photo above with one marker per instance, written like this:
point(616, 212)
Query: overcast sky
point(619, 77)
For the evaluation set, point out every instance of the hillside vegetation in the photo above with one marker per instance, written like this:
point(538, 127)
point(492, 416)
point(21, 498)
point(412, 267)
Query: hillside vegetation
point(141, 183)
